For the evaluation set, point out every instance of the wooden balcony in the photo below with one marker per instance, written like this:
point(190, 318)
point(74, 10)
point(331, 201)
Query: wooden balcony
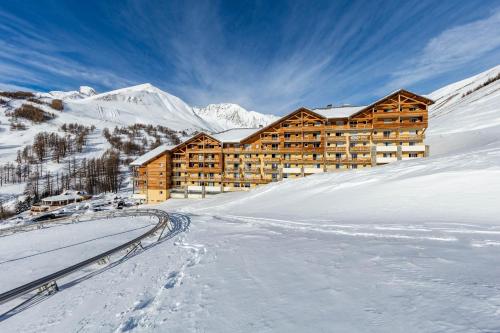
point(249, 159)
point(360, 126)
point(250, 170)
point(415, 137)
point(270, 140)
point(205, 169)
point(333, 160)
point(382, 125)
point(413, 124)
point(293, 139)
point(204, 151)
point(293, 129)
point(336, 149)
point(385, 138)
point(360, 160)
point(360, 138)
point(360, 149)
point(267, 160)
point(385, 115)
point(336, 138)
point(311, 139)
point(232, 160)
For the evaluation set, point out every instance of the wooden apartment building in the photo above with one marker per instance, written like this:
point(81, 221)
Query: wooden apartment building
point(301, 143)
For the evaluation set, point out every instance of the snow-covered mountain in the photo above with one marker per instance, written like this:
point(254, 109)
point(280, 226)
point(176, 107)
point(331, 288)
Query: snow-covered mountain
point(229, 115)
point(150, 105)
point(143, 103)
point(83, 92)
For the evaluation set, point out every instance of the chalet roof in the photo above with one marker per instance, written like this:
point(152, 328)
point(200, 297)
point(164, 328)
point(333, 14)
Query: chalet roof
point(338, 111)
point(66, 196)
point(151, 154)
point(234, 135)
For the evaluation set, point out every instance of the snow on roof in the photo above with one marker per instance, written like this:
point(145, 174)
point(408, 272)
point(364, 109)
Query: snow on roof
point(151, 154)
point(66, 196)
point(338, 111)
point(234, 134)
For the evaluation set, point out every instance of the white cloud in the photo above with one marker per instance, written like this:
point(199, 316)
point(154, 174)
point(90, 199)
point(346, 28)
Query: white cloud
point(451, 49)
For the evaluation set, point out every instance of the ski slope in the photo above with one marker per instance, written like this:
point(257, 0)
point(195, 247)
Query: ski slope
point(407, 247)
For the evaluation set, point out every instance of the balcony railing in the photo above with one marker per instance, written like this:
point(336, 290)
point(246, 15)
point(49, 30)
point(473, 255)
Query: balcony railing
point(360, 149)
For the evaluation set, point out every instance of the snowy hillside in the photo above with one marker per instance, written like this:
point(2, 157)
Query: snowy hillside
point(138, 104)
point(370, 250)
point(83, 92)
point(228, 115)
point(466, 114)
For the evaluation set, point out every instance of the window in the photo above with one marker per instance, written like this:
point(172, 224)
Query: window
point(387, 134)
point(338, 134)
point(247, 184)
point(337, 166)
point(413, 155)
point(354, 156)
point(161, 192)
point(338, 155)
point(354, 166)
point(412, 143)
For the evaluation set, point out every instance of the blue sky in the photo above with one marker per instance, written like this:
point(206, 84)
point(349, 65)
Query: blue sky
point(268, 56)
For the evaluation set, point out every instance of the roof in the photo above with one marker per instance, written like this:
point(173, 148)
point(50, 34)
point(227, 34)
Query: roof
point(151, 154)
point(63, 197)
point(234, 135)
point(338, 111)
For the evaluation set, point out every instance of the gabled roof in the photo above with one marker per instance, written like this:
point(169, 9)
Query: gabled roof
point(339, 111)
point(234, 135)
point(260, 130)
point(420, 98)
point(141, 160)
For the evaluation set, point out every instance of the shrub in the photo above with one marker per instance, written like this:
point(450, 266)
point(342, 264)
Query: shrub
point(35, 100)
point(482, 85)
point(17, 94)
point(32, 113)
point(57, 104)
point(17, 126)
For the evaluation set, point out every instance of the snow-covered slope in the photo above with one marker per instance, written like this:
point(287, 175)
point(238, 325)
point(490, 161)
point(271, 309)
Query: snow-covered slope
point(466, 115)
point(228, 115)
point(374, 250)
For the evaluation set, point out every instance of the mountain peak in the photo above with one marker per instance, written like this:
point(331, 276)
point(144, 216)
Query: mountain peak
point(87, 91)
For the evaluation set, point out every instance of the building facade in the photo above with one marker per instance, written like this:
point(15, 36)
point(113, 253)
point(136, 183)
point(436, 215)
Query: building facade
point(301, 143)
